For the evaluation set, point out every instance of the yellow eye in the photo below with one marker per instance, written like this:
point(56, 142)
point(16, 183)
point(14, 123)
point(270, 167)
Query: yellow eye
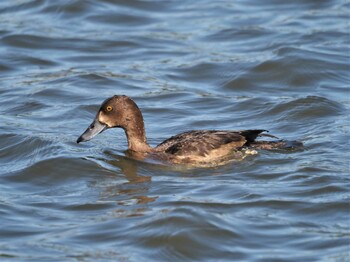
point(109, 108)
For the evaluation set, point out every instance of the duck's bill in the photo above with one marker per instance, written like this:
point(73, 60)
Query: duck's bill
point(94, 129)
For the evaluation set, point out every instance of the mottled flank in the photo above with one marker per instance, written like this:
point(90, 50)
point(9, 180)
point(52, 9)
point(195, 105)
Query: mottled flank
point(201, 142)
point(197, 147)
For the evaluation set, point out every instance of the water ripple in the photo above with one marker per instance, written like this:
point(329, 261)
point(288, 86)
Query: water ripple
point(281, 66)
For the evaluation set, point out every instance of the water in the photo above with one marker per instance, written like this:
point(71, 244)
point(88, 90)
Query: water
point(276, 65)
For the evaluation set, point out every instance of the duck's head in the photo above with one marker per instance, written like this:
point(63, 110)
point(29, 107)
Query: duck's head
point(116, 111)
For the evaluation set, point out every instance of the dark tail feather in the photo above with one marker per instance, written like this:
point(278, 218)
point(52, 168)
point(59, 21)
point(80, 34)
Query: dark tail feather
point(250, 135)
point(268, 135)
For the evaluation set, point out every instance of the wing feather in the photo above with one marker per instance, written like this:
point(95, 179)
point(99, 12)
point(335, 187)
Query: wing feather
point(202, 142)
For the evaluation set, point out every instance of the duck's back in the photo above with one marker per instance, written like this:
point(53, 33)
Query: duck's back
point(206, 145)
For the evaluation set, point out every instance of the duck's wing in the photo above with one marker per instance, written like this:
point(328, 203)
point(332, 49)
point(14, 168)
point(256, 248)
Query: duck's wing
point(204, 142)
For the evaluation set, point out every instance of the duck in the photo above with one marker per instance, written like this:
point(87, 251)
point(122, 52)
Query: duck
point(195, 147)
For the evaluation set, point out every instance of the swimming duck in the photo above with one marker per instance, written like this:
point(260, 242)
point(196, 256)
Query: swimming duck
point(191, 147)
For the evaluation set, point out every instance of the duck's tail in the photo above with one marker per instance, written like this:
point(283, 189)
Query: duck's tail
point(277, 143)
point(280, 144)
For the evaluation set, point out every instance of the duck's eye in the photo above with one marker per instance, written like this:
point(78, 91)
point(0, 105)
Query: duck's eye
point(109, 108)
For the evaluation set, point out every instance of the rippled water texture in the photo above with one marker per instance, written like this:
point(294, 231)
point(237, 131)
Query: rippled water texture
point(276, 65)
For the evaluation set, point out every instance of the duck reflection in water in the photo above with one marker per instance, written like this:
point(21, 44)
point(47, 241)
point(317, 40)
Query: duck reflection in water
point(194, 148)
point(132, 195)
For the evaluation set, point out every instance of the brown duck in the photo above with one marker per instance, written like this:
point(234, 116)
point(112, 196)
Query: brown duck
point(192, 147)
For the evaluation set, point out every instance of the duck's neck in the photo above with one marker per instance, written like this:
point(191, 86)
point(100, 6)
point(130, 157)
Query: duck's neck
point(136, 134)
point(137, 140)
